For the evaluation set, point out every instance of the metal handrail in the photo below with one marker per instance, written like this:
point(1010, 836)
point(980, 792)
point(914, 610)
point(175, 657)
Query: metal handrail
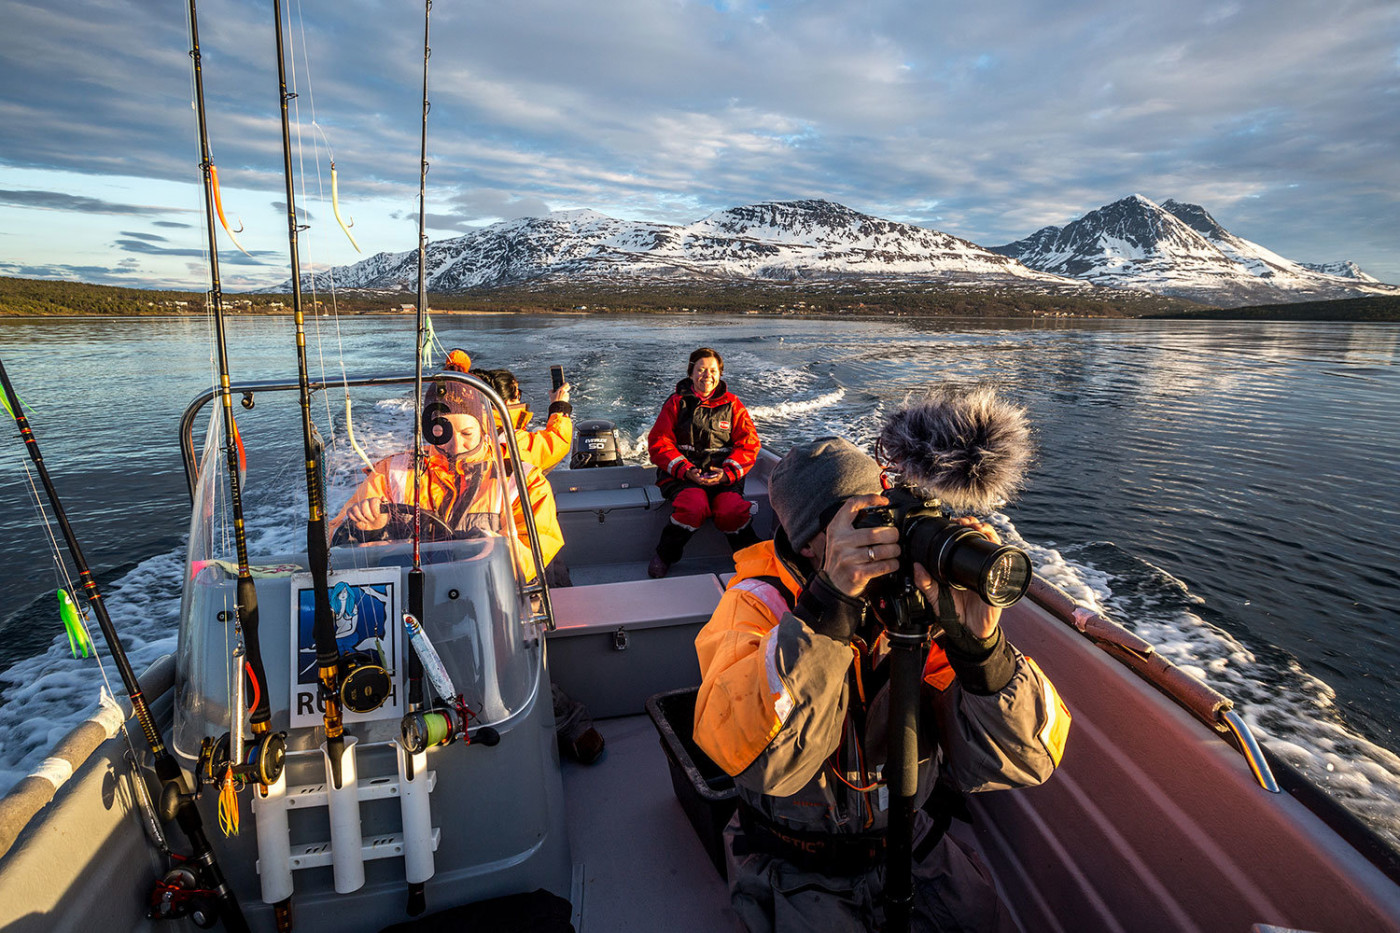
point(1253, 753)
point(527, 590)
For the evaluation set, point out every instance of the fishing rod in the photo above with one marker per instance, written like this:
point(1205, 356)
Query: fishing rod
point(415, 575)
point(416, 888)
point(338, 689)
point(263, 759)
point(176, 800)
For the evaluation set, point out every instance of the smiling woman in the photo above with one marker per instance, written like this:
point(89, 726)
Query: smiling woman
point(703, 443)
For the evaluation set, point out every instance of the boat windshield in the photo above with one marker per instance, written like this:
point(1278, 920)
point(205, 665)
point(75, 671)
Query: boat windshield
point(473, 548)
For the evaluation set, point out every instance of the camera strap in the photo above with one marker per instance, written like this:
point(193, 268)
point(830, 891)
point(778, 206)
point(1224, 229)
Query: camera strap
point(947, 609)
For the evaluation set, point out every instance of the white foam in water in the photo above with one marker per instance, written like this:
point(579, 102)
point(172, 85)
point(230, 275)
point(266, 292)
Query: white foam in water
point(48, 694)
point(796, 407)
point(1292, 711)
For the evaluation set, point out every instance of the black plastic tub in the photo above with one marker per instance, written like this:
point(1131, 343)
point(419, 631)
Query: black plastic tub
point(706, 793)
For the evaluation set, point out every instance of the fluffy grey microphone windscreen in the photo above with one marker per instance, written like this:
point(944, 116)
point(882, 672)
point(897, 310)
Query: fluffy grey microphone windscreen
point(968, 447)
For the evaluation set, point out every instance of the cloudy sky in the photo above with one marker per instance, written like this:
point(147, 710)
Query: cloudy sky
point(987, 120)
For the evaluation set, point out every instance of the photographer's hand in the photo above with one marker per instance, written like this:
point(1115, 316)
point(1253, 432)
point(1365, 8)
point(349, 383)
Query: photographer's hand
point(977, 617)
point(855, 556)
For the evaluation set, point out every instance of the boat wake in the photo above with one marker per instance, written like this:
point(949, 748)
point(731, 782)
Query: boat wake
point(784, 411)
point(1293, 712)
point(46, 695)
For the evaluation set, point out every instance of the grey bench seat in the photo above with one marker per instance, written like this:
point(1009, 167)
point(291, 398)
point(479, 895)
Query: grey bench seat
point(603, 632)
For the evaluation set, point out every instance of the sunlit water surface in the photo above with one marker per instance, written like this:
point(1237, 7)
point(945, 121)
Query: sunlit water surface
point(1227, 490)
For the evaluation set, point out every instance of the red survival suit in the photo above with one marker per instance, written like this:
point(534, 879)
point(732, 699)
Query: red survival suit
point(703, 433)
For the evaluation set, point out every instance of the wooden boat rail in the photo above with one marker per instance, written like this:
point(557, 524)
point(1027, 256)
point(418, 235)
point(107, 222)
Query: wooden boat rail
point(1199, 699)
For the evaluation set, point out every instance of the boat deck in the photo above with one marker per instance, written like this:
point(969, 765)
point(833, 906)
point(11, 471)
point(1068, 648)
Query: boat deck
point(636, 858)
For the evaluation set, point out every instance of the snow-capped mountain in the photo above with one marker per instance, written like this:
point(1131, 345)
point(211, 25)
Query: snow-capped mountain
point(1179, 249)
point(785, 241)
point(1134, 244)
point(1344, 270)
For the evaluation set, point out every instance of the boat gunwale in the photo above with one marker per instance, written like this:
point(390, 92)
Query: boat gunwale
point(28, 798)
point(1169, 680)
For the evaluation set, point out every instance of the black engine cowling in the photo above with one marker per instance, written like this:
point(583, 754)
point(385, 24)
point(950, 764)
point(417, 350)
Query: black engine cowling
point(596, 444)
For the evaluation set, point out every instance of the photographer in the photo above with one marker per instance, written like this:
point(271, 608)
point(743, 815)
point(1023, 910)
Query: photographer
point(794, 704)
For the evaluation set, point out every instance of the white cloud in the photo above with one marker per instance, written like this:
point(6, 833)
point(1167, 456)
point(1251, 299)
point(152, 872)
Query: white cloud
point(1009, 114)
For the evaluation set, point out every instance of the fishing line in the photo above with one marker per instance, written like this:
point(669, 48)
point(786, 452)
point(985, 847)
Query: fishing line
point(61, 573)
point(321, 197)
point(335, 307)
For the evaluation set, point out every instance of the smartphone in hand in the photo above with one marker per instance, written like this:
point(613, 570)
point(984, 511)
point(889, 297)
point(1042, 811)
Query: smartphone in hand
point(556, 377)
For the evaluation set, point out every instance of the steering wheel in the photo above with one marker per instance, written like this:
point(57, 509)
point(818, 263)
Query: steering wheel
point(400, 526)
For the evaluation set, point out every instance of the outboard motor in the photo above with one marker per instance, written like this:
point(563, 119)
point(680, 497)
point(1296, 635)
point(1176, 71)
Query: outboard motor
point(596, 444)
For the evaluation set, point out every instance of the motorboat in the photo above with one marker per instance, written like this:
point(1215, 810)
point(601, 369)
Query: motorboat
point(1165, 814)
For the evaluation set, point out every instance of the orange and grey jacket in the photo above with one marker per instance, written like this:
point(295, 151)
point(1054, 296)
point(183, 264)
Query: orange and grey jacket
point(464, 495)
point(549, 445)
point(793, 703)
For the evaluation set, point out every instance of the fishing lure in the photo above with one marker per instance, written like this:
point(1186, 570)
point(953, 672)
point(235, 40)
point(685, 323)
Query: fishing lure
point(432, 663)
point(10, 411)
point(335, 209)
point(78, 639)
point(219, 207)
point(242, 455)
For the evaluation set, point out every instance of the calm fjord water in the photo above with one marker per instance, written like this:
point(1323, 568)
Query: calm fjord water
point(1226, 489)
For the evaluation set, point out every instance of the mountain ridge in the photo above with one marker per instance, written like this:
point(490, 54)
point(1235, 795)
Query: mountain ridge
point(1132, 244)
point(1179, 249)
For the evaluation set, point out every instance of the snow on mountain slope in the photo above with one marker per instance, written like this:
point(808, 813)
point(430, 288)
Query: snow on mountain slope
point(1179, 249)
point(775, 241)
point(1172, 249)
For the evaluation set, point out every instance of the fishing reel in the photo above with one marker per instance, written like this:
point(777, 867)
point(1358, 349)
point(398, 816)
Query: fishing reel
point(264, 758)
point(178, 894)
point(364, 683)
point(443, 725)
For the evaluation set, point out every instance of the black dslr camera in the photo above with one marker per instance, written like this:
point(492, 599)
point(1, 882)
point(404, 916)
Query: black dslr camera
point(953, 554)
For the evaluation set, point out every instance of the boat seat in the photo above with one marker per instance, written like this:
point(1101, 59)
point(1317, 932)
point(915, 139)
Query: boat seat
point(593, 652)
point(605, 501)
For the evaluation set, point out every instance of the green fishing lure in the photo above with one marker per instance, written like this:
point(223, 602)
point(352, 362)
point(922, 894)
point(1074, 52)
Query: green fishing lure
point(73, 623)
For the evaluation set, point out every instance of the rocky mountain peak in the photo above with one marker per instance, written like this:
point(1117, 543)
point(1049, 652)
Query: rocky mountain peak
point(1133, 243)
point(1197, 218)
point(1178, 249)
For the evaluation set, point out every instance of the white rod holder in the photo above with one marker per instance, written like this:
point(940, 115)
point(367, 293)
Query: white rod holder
point(417, 817)
point(274, 840)
point(347, 859)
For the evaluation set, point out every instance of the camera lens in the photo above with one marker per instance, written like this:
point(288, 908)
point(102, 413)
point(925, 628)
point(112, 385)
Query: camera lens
point(964, 558)
point(1008, 575)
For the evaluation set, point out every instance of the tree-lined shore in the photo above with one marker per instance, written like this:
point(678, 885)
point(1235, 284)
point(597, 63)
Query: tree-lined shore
point(45, 298)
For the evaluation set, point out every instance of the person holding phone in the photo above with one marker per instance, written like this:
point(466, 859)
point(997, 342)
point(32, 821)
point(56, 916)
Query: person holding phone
point(546, 447)
point(703, 444)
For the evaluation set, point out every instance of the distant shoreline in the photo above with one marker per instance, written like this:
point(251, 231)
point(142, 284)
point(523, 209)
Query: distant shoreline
point(1217, 316)
point(22, 299)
